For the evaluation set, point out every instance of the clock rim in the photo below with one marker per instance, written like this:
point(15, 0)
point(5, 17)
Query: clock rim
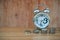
point(39, 14)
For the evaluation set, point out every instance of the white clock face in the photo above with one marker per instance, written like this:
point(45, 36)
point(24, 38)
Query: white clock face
point(41, 20)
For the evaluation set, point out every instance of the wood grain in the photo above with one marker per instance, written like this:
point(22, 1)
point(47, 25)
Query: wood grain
point(20, 13)
point(16, 17)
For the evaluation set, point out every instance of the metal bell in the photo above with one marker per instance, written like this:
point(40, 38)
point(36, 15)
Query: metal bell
point(36, 11)
point(46, 10)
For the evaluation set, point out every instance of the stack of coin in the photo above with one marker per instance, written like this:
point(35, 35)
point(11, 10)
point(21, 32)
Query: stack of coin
point(44, 31)
point(52, 30)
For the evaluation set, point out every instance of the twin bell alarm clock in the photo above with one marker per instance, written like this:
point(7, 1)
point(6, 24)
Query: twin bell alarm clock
point(41, 19)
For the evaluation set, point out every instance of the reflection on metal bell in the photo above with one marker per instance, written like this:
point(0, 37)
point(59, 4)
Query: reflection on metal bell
point(36, 11)
point(47, 10)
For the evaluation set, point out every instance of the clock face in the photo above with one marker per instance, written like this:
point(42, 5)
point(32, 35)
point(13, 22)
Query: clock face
point(41, 20)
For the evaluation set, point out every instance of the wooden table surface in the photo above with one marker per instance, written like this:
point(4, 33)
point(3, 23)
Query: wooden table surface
point(20, 34)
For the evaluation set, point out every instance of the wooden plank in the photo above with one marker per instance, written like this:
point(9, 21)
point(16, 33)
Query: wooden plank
point(16, 17)
point(19, 13)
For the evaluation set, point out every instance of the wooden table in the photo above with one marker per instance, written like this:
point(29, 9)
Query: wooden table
point(19, 34)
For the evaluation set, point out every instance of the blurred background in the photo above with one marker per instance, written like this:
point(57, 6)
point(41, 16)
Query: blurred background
point(16, 17)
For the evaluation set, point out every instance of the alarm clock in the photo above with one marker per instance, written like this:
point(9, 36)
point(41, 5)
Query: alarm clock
point(41, 19)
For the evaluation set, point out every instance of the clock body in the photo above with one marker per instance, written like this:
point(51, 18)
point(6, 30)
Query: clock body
point(41, 20)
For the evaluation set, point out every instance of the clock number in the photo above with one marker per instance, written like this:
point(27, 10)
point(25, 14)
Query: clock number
point(45, 20)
